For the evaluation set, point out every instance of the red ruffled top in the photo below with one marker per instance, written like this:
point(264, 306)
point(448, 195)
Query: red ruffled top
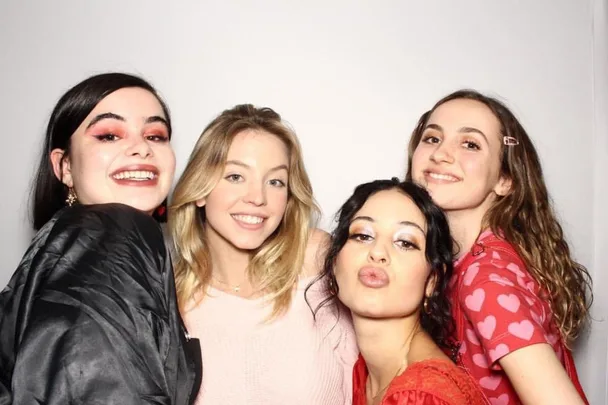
point(429, 382)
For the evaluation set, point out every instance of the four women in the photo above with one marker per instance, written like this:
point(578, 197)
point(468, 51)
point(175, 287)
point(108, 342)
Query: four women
point(96, 288)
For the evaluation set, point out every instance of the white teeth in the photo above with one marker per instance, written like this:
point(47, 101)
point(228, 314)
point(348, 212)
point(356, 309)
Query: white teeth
point(134, 175)
point(248, 219)
point(442, 176)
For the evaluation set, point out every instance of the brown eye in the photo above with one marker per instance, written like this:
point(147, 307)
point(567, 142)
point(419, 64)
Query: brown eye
point(429, 139)
point(107, 137)
point(360, 237)
point(471, 145)
point(407, 245)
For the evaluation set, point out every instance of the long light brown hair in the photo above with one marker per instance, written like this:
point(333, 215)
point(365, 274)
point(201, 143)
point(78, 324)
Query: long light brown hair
point(526, 218)
point(274, 268)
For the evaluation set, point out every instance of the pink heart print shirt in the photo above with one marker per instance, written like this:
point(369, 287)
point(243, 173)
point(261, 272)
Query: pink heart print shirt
point(498, 309)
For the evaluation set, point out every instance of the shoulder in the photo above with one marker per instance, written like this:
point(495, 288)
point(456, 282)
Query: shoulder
point(493, 260)
point(108, 221)
point(117, 239)
point(439, 380)
point(316, 248)
point(112, 215)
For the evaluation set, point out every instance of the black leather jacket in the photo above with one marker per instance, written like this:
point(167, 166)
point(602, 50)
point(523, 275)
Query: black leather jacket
point(90, 316)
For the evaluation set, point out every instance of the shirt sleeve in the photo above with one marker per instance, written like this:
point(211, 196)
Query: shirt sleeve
point(499, 298)
point(93, 328)
point(335, 323)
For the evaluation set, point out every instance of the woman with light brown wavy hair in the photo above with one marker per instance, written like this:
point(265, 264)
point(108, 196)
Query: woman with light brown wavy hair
point(519, 297)
point(240, 220)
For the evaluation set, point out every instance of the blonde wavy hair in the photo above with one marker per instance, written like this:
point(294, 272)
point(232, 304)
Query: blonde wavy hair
point(276, 265)
point(528, 221)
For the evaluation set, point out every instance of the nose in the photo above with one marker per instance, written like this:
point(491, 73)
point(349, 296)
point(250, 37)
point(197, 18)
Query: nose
point(442, 154)
point(139, 146)
point(256, 195)
point(378, 253)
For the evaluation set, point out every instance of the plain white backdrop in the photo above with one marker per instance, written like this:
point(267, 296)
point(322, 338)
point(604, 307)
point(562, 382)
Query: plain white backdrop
point(352, 78)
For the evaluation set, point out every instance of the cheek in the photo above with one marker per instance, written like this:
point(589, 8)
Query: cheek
point(277, 199)
point(420, 155)
point(475, 167)
point(165, 157)
point(347, 264)
point(91, 163)
point(412, 283)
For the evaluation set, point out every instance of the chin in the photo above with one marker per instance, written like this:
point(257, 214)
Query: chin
point(144, 206)
point(248, 244)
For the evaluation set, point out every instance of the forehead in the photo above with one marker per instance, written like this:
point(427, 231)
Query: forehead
point(260, 146)
point(392, 207)
point(456, 114)
point(130, 102)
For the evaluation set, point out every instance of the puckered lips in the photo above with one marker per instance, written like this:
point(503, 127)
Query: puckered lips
point(373, 277)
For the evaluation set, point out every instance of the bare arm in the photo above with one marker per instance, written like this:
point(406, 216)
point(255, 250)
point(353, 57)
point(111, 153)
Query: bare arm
point(538, 376)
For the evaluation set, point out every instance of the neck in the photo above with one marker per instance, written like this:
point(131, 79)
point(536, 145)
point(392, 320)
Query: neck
point(466, 225)
point(384, 345)
point(464, 229)
point(228, 263)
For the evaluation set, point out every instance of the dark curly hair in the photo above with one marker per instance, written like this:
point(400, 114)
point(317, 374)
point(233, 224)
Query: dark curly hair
point(437, 319)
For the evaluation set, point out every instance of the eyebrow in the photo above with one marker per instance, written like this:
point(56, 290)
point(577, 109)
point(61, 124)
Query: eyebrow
point(405, 223)
point(463, 130)
point(246, 166)
point(112, 116)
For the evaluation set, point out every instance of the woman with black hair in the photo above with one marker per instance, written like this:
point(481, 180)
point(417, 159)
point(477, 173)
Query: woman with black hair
point(90, 316)
point(390, 262)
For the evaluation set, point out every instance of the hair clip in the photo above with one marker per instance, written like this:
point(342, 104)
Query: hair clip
point(509, 141)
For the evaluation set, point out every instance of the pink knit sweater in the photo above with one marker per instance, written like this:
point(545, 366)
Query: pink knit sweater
point(292, 360)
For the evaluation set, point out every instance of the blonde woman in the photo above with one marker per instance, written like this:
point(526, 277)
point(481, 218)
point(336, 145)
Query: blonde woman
point(245, 252)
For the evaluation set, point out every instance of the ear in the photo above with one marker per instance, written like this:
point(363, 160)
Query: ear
point(503, 186)
point(201, 202)
point(62, 167)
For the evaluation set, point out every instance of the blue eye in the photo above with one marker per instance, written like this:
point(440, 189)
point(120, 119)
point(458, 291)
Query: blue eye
point(277, 183)
point(234, 178)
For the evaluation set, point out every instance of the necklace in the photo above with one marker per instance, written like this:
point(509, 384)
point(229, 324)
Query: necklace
point(235, 288)
point(401, 366)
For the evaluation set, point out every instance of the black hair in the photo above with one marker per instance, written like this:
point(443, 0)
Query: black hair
point(48, 192)
point(437, 318)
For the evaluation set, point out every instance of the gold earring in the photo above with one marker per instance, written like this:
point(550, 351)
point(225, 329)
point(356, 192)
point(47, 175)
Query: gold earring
point(425, 305)
point(71, 198)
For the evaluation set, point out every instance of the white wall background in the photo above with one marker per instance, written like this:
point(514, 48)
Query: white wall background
point(352, 77)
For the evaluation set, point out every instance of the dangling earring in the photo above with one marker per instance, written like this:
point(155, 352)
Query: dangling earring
point(71, 198)
point(425, 305)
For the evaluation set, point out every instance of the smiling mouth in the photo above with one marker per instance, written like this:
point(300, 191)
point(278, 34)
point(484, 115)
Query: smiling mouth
point(442, 177)
point(249, 219)
point(135, 175)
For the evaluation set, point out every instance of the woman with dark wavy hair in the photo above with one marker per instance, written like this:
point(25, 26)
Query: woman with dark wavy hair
point(390, 262)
